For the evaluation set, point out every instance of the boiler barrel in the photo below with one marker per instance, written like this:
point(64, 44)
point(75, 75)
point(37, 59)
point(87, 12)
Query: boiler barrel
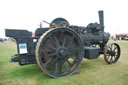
point(97, 38)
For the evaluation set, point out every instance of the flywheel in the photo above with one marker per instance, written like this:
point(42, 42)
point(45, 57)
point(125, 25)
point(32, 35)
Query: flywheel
point(59, 23)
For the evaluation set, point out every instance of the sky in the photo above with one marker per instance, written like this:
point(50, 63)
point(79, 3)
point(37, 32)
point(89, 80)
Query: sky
point(27, 14)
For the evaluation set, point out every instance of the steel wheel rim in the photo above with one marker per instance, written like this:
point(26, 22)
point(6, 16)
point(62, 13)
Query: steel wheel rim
point(62, 58)
point(112, 53)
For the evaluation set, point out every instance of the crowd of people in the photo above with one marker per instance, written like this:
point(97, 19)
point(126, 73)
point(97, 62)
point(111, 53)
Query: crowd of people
point(3, 39)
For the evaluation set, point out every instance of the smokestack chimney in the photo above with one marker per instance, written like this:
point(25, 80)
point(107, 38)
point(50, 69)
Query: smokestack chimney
point(101, 19)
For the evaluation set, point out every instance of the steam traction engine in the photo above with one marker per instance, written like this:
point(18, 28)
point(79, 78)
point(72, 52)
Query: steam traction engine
point(60, 48)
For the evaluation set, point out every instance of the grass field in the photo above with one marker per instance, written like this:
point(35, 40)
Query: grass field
point(92, 72)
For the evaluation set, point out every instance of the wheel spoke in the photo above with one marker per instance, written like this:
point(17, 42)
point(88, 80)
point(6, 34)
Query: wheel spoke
point(52, 62)
point(111, 47)
point(56, 69)
point(107, 54)
point(64, 41)
point(49, 55)
point(114, 49)
point(108, 57)
point(48, 61)
point(52, 47)
point(71, 42)
point(57, 42)
point(60, 67)
point(115, 57)
point(44, 50)
point(111, 59)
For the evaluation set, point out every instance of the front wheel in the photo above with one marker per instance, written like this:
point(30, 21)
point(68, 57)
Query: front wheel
point(112, 53)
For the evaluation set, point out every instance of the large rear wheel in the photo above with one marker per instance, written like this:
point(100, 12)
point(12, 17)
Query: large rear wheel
point(59, 52)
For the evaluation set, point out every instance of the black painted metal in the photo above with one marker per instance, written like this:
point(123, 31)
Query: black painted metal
point(91, 52)
point(60, 52)
point(112, 53)
point(101, 19)
point(60, 21)
point(89, 41)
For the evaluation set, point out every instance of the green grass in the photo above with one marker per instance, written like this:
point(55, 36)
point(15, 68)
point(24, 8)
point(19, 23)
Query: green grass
point(92, 72)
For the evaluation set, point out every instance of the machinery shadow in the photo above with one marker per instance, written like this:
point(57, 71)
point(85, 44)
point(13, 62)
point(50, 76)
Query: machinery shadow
point(34, 71)
point(28, 71)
